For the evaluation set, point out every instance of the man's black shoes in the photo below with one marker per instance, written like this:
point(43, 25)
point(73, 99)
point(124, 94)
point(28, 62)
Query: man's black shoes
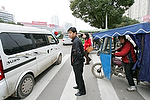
point(76, 87)
point(79, 94)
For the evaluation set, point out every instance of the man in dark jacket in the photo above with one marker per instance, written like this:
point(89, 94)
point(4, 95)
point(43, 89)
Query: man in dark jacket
point(77, 60)
point(128, 59)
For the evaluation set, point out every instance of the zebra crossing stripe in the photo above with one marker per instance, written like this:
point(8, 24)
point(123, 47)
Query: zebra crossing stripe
point(69, 92)
point(40, 86)
point(106, 89)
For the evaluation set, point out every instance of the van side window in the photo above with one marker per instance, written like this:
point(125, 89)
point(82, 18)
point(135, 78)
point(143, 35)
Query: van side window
point(51, 39)
point(40, 40)
point(16, 42)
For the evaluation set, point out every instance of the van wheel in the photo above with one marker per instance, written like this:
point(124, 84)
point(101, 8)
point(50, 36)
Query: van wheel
point(59, 59)
point(25, 86)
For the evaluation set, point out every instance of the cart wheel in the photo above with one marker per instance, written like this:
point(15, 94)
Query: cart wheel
point(97, 70)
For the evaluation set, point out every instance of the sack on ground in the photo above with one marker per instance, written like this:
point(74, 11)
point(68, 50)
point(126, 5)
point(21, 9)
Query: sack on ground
point(90, 48)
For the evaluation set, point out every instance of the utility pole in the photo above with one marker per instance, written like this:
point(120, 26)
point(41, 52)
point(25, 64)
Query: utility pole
point(106, 17)
point(75, 22)
point(106, 21)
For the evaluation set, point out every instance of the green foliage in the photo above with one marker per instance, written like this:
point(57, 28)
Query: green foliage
point(19, 24)
point(11, 22)
point(61, 35)
point(125, 22)
point(94, 11)
point(1, 21)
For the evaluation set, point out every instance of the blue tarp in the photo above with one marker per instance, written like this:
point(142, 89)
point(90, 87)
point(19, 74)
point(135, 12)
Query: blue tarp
point(132, 29)
point(143, 61)
point(139, 34)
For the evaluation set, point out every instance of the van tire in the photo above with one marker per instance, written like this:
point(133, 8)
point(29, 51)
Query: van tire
point(25, 86)
point(59, 59)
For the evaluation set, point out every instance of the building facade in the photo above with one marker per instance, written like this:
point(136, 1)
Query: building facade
point(138, 10)
point(5, 16)
point(67, 25)
point(54, 20)
point(43, 25)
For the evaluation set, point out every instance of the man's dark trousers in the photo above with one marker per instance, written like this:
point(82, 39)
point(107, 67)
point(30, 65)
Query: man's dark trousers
point(78, 70)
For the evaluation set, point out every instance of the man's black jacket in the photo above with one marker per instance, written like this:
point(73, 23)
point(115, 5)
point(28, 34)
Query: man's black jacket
point(77, 52)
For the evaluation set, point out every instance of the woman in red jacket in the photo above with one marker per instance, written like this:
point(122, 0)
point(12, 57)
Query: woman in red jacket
point(128, 60)
point(86, 45)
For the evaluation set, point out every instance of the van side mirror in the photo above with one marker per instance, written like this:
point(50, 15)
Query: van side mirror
point(57, 40)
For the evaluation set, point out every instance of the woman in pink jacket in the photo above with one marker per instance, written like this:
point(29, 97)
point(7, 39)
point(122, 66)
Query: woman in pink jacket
point(86, 45)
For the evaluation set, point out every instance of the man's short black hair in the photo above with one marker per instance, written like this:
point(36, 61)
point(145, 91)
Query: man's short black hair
point(73, 29)
point(123, 36)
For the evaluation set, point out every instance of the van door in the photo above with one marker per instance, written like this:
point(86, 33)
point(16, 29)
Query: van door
point(53, 48)
point(42, 52)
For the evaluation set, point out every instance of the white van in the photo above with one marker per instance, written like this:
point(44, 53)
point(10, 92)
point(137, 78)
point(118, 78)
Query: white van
point(25, 52)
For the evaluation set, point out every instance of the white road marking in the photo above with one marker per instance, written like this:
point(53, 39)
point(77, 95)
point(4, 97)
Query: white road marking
point(39, 87)
point(106, 89)
point(69, 92)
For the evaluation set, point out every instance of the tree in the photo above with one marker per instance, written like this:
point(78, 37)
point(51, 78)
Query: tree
point(125, 21)
point(19, 24)
point(61, 35)
point(11, 22)
point(94, 11)
point(1, 21)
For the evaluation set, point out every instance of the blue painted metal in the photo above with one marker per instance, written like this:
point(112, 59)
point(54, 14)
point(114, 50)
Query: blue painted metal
point(106, 63)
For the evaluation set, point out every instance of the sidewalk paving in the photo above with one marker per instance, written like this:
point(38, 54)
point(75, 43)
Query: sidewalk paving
point(143, 88)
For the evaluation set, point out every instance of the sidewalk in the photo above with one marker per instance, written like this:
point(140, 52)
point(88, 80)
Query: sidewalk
point(106, 90)
point(119, 93)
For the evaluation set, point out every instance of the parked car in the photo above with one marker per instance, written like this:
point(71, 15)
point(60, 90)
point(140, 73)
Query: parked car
point(66, 39)
point(25, 52)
